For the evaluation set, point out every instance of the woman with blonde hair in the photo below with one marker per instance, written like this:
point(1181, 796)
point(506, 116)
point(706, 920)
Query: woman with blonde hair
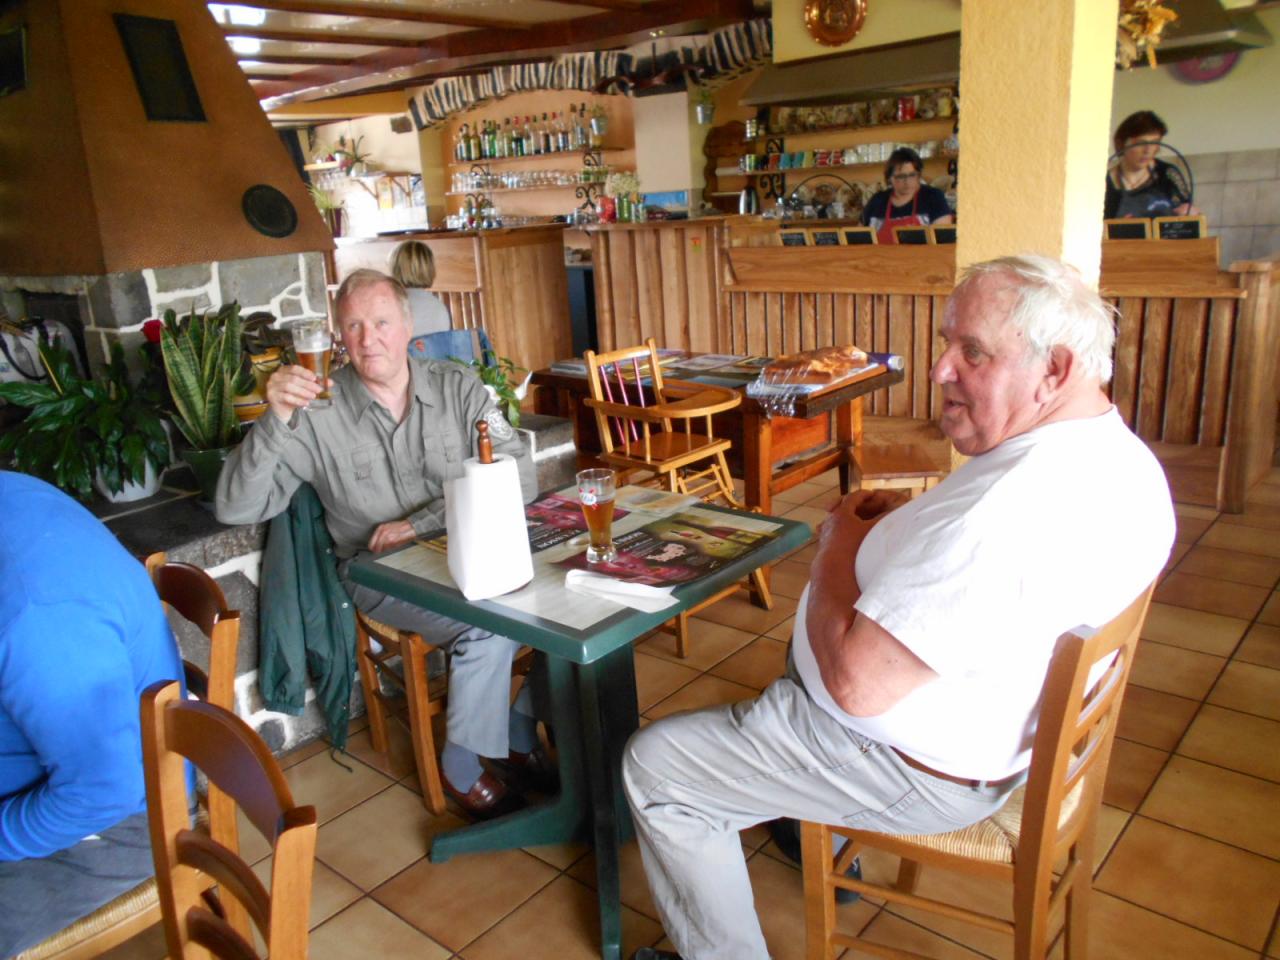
point(413, 265)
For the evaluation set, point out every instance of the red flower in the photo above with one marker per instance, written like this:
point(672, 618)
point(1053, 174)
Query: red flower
point(151, 330)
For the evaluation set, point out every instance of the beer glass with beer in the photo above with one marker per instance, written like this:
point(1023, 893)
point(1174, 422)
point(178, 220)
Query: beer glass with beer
point(313, 344)
point(595, 493)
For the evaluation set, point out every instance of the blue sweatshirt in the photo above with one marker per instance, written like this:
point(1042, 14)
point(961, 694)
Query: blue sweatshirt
point(82, 634)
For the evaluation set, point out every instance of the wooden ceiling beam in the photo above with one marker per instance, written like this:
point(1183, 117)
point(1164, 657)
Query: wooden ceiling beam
point(324, 36)
point(442, 56)
point(301, 59)
point(606, 4)
point(338, 8)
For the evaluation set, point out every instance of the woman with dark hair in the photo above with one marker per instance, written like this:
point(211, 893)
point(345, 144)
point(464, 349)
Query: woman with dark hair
point(413, 265)
point(907, 202)
point(1139, 185)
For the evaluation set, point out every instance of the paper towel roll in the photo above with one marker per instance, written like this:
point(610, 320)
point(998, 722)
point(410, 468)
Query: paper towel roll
point(488, 539)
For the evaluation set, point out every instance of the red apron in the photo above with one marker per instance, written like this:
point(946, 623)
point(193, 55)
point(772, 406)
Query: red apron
point(911, 220)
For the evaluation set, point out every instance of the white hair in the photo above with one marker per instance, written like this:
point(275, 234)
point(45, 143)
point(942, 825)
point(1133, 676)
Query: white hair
point(1053, 306)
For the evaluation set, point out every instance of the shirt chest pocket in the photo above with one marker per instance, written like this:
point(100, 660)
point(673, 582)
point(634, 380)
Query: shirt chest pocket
point(367, 462)
point(446, 451)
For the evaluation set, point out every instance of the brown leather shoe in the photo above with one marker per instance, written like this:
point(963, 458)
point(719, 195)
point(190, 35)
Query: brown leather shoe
point(487, 798)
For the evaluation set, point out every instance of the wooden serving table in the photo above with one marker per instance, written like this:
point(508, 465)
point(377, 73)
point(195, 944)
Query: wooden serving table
point(591, 670)
point(770, 453)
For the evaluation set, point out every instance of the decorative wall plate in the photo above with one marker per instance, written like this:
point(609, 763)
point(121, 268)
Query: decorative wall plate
point(834, 22)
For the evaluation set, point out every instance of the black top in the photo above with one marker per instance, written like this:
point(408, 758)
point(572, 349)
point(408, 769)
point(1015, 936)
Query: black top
point(1158, 197)
point(932, 206)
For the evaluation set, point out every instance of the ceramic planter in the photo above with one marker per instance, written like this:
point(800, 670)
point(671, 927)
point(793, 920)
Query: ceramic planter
point(130, 491)
point(207, 466)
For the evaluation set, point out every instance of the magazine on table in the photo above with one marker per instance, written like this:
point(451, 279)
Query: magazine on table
point(679, 548)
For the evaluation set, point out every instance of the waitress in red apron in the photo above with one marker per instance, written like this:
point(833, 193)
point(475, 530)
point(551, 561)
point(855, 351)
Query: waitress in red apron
point(908, 202)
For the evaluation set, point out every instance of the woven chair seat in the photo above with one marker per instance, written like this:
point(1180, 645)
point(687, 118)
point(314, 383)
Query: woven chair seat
point(994, 839)
point(378, 627)
point(129, 904)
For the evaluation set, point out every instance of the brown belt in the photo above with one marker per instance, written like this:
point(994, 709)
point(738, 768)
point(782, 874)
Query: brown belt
point(962, 781)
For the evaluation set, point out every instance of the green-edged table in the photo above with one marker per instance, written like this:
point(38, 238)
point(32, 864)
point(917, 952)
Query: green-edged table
point(592, 677)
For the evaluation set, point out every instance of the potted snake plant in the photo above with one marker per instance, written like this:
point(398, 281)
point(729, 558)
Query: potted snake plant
point(202, 361)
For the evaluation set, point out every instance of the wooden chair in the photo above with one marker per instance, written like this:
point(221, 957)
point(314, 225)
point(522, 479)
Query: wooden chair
point(652, 431)
point(412, 680)
point(241, 766)
point(425, 699)
point(1047, 826)
point(198, 598)
point(897, 465)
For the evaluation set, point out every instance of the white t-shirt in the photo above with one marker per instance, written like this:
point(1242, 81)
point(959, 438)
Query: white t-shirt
point(1056, 529)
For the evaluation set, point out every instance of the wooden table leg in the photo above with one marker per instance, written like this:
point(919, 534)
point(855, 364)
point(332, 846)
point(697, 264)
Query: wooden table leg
point(757, 460)
point(849, 437)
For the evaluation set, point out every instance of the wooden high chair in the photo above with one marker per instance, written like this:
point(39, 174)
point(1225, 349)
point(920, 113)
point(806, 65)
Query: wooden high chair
point(662, 428)
point(1041, 840)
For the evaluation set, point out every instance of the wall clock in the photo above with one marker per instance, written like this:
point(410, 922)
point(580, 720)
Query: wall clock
point(834, 22)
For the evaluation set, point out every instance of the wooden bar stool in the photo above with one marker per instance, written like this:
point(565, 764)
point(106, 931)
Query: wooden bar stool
point(1041, 840)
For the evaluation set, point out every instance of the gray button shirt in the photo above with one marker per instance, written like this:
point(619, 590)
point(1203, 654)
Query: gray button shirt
point(366, 468)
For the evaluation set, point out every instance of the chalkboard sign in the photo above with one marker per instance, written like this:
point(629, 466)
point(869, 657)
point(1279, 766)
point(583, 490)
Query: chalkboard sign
point(858, 236)
point(824, 238)
point(944, 234)
point(915, 236)
point(1179, 228)
point(794, 238)
point(1128, 228)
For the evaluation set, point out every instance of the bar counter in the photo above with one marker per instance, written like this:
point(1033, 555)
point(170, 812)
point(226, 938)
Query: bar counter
point(1196, 351)
point(510, 281)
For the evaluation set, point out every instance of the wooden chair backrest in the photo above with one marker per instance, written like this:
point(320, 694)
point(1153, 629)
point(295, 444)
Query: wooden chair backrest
point(198, 598)
point(241, 766)
point(1072, 745)
point(617, 377)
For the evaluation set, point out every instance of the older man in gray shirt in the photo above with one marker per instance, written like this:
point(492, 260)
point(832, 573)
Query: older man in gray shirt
point(378, 457)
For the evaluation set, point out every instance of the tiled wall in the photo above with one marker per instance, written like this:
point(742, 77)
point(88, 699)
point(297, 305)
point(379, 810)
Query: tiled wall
point(1239, 193)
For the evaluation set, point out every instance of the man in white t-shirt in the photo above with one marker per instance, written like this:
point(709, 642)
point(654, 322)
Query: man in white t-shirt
point(922, 640)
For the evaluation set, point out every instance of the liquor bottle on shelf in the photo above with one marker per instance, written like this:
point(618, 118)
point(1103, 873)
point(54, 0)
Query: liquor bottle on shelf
point(460, 143)
point(582, 132)
point(544, 133)
point(562, 134)
point(573, 126)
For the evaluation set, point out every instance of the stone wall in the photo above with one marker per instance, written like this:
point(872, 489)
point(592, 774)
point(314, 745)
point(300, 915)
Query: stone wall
point(116, 305)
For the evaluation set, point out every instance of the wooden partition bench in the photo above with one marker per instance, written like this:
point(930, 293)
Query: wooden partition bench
point(1196, 351)
point(510, 281)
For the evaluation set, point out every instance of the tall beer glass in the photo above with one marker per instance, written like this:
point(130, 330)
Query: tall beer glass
point(313, 344)
point(595, 493)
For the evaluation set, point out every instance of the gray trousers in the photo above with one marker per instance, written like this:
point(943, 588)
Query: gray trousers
point(479, 668)
point(39, 897)
point(695, 780)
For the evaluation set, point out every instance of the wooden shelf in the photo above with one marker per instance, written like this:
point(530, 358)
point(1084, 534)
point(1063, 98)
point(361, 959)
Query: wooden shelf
point(876, 164)
point(825, 131)
point(547, 186)
point(504, 161)
point(324, 165)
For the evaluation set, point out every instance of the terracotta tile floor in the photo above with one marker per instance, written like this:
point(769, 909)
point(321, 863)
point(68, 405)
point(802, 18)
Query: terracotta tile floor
point(1189, 848)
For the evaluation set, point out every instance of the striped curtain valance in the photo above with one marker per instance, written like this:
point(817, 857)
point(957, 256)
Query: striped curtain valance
point(722, 54)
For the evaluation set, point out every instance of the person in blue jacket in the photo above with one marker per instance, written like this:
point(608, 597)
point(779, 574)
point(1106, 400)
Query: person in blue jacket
point(82, 634)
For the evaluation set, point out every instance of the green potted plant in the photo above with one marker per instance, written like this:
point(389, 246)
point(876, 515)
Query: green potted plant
point(351, 158)
point(81, 434)
point(329, 206)
point(202, 360)
point(498, 374)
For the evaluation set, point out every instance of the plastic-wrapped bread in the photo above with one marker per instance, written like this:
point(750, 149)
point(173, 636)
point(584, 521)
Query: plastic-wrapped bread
point(824, 365)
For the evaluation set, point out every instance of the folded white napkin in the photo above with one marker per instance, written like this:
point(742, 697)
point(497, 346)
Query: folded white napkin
point(637, 596)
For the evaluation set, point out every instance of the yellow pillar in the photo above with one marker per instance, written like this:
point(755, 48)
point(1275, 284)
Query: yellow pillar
point(1035, 98)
